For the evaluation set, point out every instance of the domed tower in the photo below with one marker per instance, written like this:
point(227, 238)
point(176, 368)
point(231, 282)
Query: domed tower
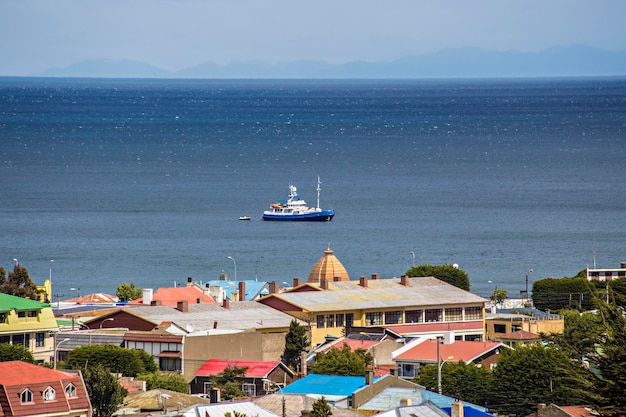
point(328, 268)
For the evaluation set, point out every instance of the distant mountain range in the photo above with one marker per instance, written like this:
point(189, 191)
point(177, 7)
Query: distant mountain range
point(572, 61)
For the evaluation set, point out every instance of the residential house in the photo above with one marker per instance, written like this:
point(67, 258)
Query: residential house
point(158, 402)
point(182, 338)
point(606, 274)
point(33, 390)
point(435, 351)
point(504, 321)
point(379, 345)
point(425, 408)
point(260, 377)
point(519, 338)
point(28, 323)
point(228, 409)
point(553, 410)
point(171, 296)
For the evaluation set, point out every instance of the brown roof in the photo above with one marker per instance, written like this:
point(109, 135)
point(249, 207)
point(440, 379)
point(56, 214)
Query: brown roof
point(519, 335)
point(328, 268)
point(95, 298)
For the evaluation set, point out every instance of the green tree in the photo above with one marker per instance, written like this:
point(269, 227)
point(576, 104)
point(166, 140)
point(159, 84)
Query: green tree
point(560, 293)
point(296, 342)
point(105, 392)
point(341, 362)
point(499, 295)
point(531, 375)
point(321, 408)
point(447, 273)
point(128, 362)
point(465, 382)
point(228, 381)
point(128, 292)
point(9, 352)
point(168, 381)
point(18, 283)
point(581, 334)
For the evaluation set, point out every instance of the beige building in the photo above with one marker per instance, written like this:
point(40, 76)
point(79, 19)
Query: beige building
point(503, 323)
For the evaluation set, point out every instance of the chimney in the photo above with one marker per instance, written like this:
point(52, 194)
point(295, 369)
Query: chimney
point(375, 276)
point(541, 410)
point(369, 377)
point(363, 282)
point(303, 368)
point(182, 306)
point(242, 291)
point(223, 276)
point(405, 402)
point(226, 303)
point(297, 282)
point(147, 296)
point(189, 281)
point(274, 287)
point(456, 409)
point(324, 284)
point(404, 280)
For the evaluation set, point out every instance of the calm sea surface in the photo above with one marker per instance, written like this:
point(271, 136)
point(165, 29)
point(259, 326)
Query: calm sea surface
point(144, 181)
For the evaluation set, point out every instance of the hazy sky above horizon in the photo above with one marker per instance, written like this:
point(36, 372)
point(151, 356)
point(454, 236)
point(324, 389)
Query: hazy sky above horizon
point(176, 34)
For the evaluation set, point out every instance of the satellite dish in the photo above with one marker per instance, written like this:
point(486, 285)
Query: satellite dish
point(190, 328)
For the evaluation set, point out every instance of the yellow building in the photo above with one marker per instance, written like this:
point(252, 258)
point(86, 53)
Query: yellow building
point(28, 323)
point(333, 305)
point(529, 320)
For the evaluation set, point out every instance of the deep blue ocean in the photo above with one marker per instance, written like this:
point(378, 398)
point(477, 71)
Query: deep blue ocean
point(144, 180)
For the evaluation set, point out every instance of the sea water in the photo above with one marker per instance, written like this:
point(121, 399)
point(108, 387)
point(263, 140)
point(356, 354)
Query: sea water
point(144, 180)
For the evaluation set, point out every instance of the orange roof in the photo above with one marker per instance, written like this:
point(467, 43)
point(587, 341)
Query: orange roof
point(18, 376)
point(353, 344)
point(520, 335)
point(171, 296)
point(460, 350)
point(576, 410)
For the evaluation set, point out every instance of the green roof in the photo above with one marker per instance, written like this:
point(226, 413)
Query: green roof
point(11, 302)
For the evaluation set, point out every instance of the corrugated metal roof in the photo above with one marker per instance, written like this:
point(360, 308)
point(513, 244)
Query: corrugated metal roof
point(380, 294)
point(11, 302)
point(254, 369)
point(334, 385)
point(247, 408)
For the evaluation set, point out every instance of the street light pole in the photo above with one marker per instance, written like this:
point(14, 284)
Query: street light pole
point(109, 319)
point(413, 260)
point(234, 263)
point(56, 349)
point(527, 297)
point(269, 381)
point(439, 340)
point(50, 278)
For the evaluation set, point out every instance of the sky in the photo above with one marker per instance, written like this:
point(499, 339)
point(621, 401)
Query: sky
point(175, 34)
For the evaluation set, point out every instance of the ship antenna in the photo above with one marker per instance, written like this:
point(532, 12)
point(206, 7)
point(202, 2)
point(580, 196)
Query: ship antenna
point(318, 191)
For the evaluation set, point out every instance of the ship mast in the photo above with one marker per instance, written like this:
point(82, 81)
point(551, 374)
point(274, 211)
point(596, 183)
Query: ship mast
point(318, 192)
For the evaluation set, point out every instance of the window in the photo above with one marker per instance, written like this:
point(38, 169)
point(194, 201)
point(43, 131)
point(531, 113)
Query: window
point(31, 313)
point(49, 394)
point(339, 320)
point(70, 391)
point(3, 317)
point(320, 322)
point(474, 337)
point(26, 396)
point(432, 315)
point(454, 314)
point(249, 389)
point(330, 320)
point(170, 364)
point(473, 313)
point(407, 370)
point(5, 339)
point(40, 339)
point(499, 328)
point(374, 318)
point(393, 317)
point(413, 316)
point(21, 314)
point(349, 320)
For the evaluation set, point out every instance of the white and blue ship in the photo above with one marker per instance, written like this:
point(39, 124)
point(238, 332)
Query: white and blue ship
point(294, 208)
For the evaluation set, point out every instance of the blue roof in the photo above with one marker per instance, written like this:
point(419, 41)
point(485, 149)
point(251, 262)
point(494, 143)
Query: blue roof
point(326, 385)
point(468, 412)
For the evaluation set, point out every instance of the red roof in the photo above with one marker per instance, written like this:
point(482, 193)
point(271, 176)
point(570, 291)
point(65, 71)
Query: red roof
point(95, 298)
point(171, 296)
point(412, 328)
point(17, 377)
point(460, 350)
point(256, 369)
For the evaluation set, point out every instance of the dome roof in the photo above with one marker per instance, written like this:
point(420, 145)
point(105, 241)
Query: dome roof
point(327, 268)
